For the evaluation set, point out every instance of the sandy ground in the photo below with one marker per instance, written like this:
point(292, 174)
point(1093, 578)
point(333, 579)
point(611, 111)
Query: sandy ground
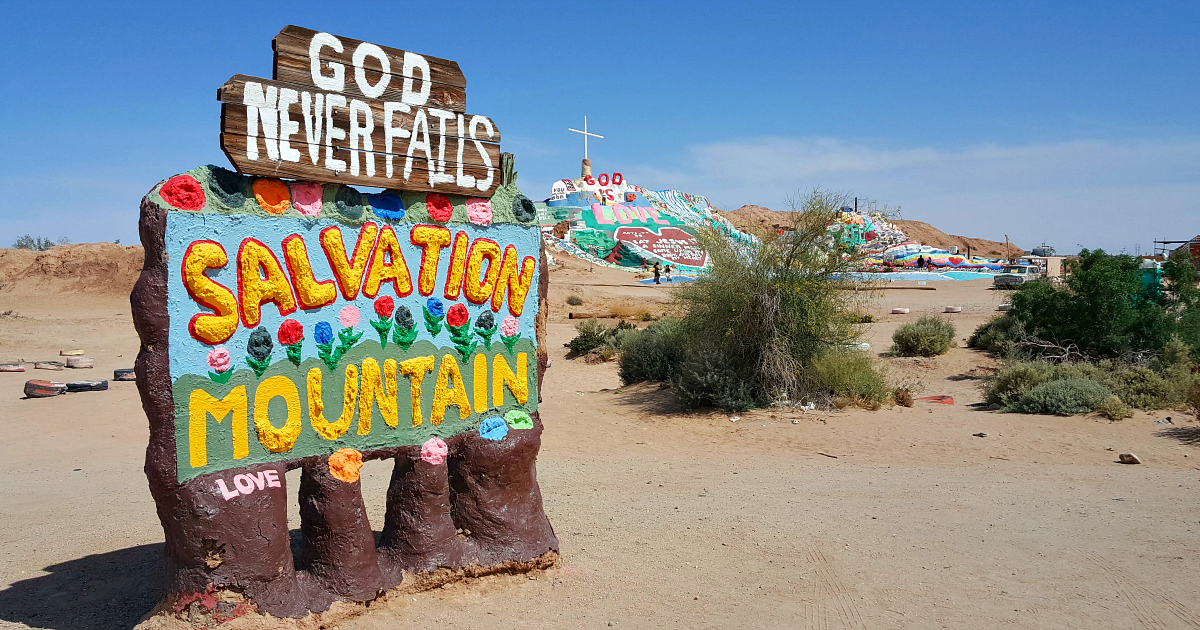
point(669, 519)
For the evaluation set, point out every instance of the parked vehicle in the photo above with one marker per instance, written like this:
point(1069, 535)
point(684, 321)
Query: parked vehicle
point(1014, 276)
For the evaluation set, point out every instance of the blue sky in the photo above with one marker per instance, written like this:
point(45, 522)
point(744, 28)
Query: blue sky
point(1069, 122)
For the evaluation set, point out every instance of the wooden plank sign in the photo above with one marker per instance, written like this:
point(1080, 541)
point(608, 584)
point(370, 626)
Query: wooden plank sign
point(347, 111)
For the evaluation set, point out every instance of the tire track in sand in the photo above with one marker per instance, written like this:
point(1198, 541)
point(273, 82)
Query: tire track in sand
point(1140, 599)
point(828, 593)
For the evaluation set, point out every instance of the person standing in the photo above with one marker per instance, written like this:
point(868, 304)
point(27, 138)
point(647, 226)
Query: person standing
point(667, 269)
point(920, 263)
point(656, 271)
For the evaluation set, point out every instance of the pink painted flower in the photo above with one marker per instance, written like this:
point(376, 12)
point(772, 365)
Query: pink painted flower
point(479, 211)
point(349, 316)
point(306, 198)
point(434, 451)
point(510, 326)
point(218, 359)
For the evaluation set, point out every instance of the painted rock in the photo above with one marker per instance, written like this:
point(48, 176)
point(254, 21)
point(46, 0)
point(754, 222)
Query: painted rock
point(80, 362)
point(44, 389)
point(87, 386)
point(953, 309)
point(11, 367)
point(48, 365)
point(124, 374)
point(70, 353)
point(1129, 458)
point(899, 311)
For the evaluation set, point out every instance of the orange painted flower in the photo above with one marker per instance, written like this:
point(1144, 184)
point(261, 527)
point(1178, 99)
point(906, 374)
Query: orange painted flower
point(345, 463)
point(272, 195)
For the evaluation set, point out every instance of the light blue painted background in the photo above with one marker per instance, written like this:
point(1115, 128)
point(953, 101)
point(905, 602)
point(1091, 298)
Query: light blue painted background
point(189, 356)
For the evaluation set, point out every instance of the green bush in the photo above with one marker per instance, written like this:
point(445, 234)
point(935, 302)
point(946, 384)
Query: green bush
point(705, 380)
point(1136, 386)
point(1114, 408)
point(1062, 398)
point(653, 354)
point(1105, 310)
point(850, 374)
point(592, 334)
point(998, 336)
point(1014, 380)
point(926, 337)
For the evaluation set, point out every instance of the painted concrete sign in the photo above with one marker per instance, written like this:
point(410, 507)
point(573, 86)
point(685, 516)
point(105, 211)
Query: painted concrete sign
point(307, 325)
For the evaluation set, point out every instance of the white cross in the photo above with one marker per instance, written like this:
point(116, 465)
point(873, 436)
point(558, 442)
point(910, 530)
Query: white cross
point(585, 133)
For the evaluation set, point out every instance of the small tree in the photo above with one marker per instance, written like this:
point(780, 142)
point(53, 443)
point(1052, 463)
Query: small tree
point(38, 243)
point(765, 312)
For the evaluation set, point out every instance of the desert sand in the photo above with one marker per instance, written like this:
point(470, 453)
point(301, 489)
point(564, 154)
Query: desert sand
point(897, 518)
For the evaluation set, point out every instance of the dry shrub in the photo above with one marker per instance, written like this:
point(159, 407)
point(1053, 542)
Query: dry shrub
point(574, 300)
point(926, 337)
point(903, 397)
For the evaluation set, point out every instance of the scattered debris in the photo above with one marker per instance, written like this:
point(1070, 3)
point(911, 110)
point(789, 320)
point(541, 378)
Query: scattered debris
point(980, 434)
point(735, 418)
point(941, 400)
point(795, 421)
point(87, 386)
point(1166, 420)
point(80, 363)
point(1004, 307)
point(827, 455)
point(999, 457)
point(899, 311)
point(44, 389)
point(70, 353)
point(126, 374)
point(1129, 458)
point(48, 365)
point(11, 367)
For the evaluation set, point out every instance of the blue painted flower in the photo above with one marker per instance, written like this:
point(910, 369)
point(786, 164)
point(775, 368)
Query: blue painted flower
point(387, 206)
point(435, 308)
point(323, 333)
point(493, 429)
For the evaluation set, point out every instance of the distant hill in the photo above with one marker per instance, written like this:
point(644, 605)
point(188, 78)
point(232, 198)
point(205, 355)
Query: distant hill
point(96, 268)
point(757, 218)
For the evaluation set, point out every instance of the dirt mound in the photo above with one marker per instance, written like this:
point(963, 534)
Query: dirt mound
point(758, 218)
point(928, 235)
point(94, 268)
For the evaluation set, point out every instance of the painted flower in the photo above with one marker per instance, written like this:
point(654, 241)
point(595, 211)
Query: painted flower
point(349, 316)
point(439, 207)
point(485, 320)
point(434, 451)
point(404, 318)
point(510, 326)
point(183, 192)
point(387, 206)
point(273, 195)
point(306, 198)
point(479, 211)
point(219, 359)
point(260, 344)
point(523, 209)
point(384, 306)
point(457, 316)
point(493, 429)
point(435, 308)
point(290, 332)
point(323, 333)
